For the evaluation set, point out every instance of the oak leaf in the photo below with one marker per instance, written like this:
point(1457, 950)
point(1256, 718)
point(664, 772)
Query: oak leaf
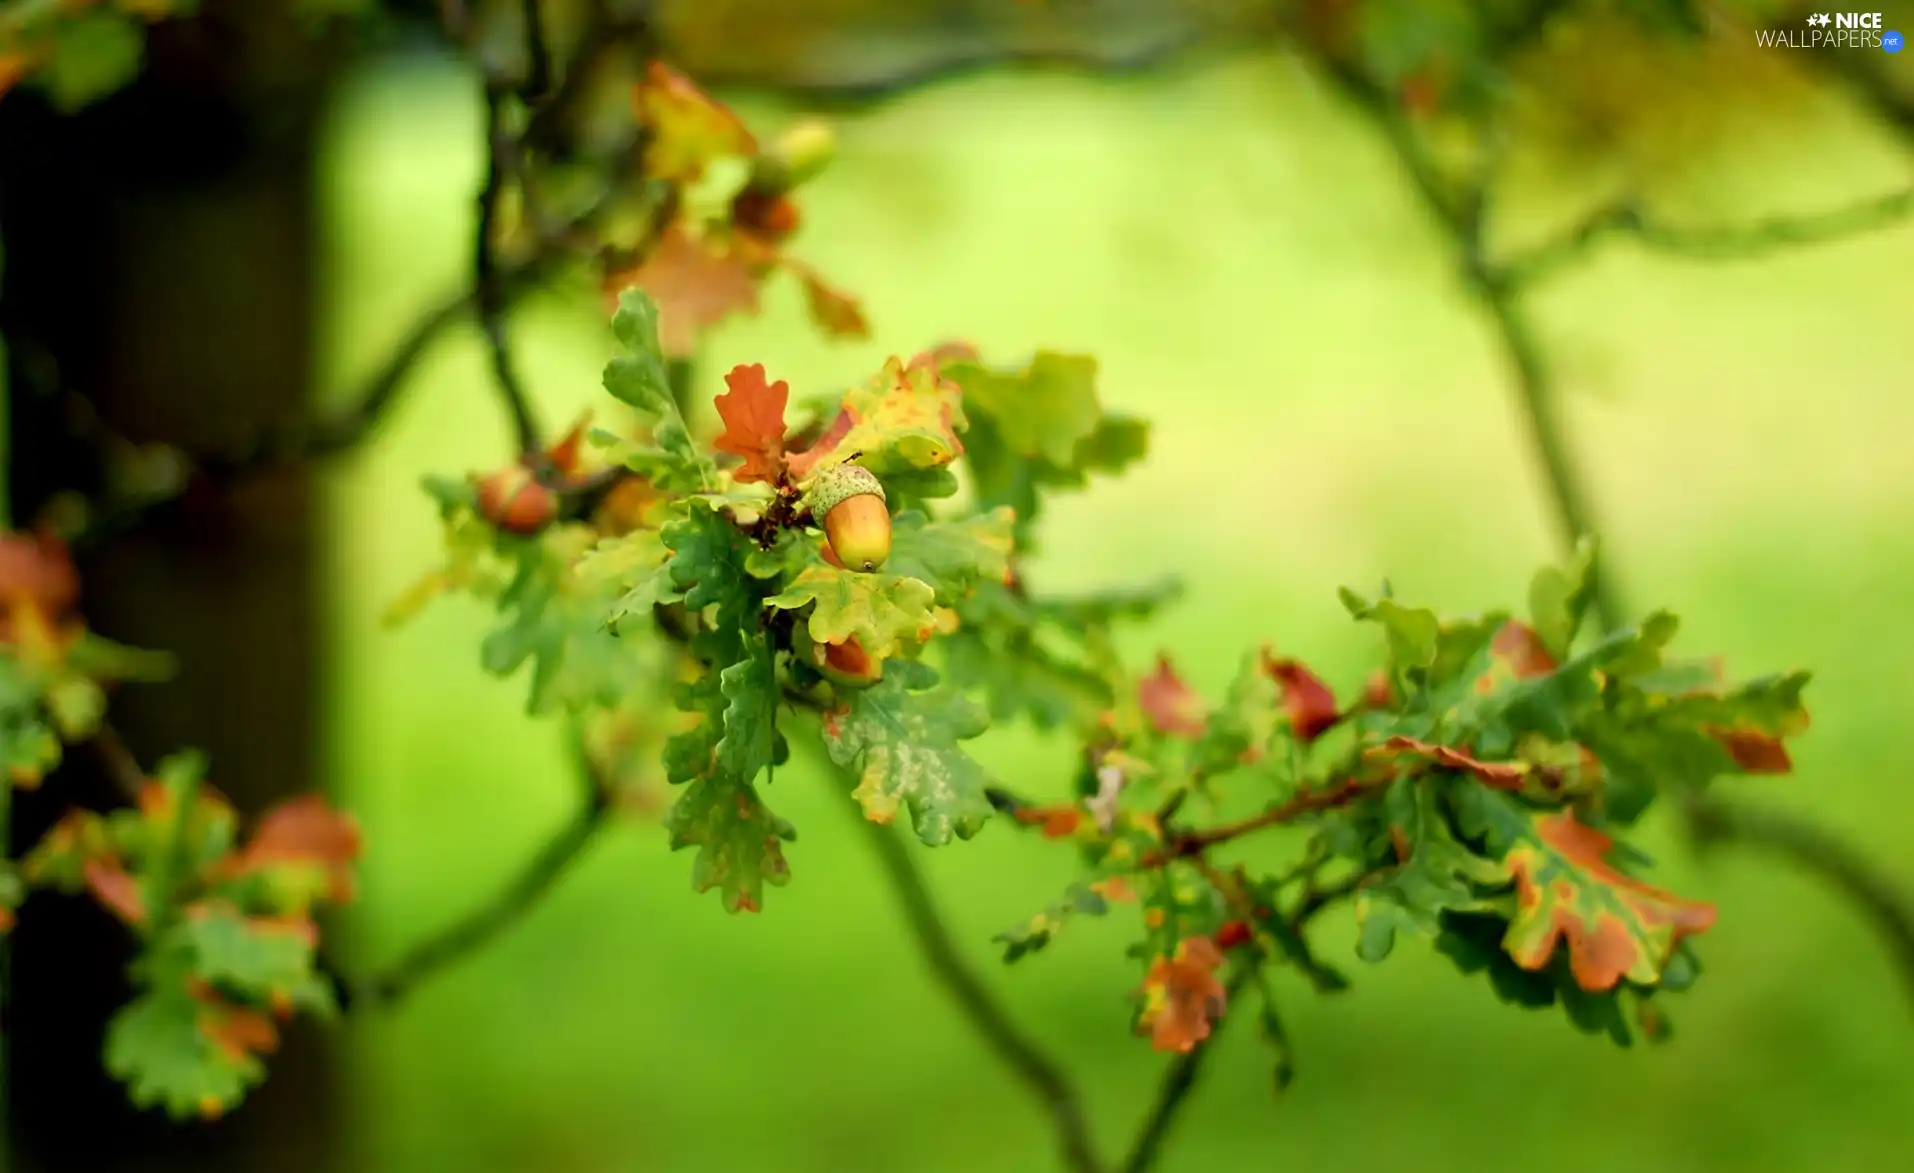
point(902, 741)
point(836, 313)
point(1500, 775)
point(1182, 1000)
point(753, 414)
point(688, 128)
point(1522, 647)
point(1615, 926)
point(308, 843)
point(1310, 704)
point(695, 285)
point(904, 419)
point(1172, 707)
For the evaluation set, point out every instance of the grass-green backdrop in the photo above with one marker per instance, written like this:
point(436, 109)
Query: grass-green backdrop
point(1241, 255)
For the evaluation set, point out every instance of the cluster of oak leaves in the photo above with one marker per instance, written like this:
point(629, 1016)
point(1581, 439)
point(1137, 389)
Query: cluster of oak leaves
point(680, 598)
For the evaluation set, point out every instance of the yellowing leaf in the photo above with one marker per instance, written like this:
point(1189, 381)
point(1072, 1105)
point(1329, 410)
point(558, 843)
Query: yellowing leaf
point(906, 419)
point(1182, 999)
point(883, 611)
point(688, 128)
point(1614, 925)
point(901, 741)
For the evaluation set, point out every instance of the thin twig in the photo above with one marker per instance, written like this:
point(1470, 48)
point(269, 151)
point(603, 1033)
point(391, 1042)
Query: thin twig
point(1707, 243)
point(487, 291)
point(125, 771)
point(1821, 852)
point(1460, 215)
point(538, 74)
point(1043, 1075)
point(486, 922)
point(1300, 805)
point(948, 64)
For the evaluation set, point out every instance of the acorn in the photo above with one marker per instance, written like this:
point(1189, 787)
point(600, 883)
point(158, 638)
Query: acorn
point(847, 663)
point(514, 501)
point(796, 156)
point(850, 501)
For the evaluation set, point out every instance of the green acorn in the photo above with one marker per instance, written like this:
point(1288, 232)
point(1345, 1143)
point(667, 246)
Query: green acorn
point(850, 502)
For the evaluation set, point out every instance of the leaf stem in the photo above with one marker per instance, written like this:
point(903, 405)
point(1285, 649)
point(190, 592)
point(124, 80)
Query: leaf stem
point(487, 292)
point(1045, 1078)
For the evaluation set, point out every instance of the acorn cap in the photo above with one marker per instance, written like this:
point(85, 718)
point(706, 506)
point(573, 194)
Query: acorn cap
point(840, 483)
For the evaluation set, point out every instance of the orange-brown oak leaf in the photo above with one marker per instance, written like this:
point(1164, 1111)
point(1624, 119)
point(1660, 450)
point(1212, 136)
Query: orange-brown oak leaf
point(235, 1031)
point(1306, 699)
point(836, 313)
point(115, 889)
point(1615, 926)
point(1522, 648)
point(1057, 822)
point(1182, 999)
point(1500, 775)
point(304, 833)
point(1754, 751)
point(753, 414)
point(696, 283)
point(1172, 707)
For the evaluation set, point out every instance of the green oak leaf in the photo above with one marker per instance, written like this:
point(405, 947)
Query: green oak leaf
point(555, 618)
point(708, 565)
point(901, 742)
point(1038, 427)
point(884, 611)
point(640, 377)
point(739, 841)
point(693, 754)
point(952, 556)
point(631, 568)
point(158, 1046)
point(260, 957)
point(1435, 874)
point(1043, 411)
point(1560, 597)
point(750, 689)
point(1245, 721)
point(1085, 898)
point(1016, 675)
point(1412, 631)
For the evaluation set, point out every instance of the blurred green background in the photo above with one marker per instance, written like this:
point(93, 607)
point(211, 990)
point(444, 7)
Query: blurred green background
point(1239, 251)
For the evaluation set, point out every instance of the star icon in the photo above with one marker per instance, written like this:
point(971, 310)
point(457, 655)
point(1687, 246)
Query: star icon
point(1820, 18)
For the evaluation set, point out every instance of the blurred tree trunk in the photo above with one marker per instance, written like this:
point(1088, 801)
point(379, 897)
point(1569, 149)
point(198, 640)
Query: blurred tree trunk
point(160, 262)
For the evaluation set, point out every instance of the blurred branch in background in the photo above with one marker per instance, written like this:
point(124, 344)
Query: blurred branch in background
point(460, 939)
point(1820, 853)
point(1045, 1078)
